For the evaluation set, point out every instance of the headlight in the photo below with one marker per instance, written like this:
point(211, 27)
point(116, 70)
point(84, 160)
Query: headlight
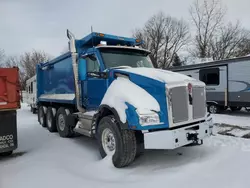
point(149, 119)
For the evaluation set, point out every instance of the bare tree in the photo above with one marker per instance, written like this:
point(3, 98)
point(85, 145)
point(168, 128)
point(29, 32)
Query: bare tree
point(164, 36)
point(207, 18)
point(2, 57)
point(229, 42)
point(243, 47)
point(29, 60)
point(12, 61)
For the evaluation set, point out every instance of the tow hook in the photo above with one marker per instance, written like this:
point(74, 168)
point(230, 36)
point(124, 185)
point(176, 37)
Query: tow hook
point(194, 138)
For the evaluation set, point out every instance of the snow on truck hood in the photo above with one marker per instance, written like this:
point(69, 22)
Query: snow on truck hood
point(122, 91)
point(159, 74)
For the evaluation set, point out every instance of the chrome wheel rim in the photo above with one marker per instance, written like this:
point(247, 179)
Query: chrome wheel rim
point(61, 122)
point(108, 142)
point(213, 109)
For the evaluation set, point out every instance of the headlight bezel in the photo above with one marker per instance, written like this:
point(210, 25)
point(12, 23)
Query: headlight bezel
point(148, 119)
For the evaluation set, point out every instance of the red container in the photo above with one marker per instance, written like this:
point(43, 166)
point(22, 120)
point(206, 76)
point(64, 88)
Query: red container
point(9, 89)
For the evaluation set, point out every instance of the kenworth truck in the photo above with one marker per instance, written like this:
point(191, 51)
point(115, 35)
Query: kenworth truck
point(107, 88)
point(9, 103)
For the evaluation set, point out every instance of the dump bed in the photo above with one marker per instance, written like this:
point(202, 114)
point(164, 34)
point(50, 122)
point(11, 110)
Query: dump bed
point(55, 81)
point(9, 89)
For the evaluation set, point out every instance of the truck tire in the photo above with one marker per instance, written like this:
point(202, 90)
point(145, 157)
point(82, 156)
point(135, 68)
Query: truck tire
point(5, 154)
point(51, 120)
point(41, 116)
point(120, 144)
point(139, 144)
point(64, 123)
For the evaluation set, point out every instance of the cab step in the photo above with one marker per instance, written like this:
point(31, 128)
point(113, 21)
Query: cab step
point(84, 125)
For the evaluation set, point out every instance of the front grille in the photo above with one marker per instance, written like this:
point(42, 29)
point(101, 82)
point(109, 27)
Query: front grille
point(179, 102)
point(199, 103)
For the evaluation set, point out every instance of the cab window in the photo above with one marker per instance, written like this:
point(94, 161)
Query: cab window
point(92, 64)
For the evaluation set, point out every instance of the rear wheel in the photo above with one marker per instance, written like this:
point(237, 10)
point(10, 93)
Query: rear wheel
point(235, 108)
point(213, 108)
point(120, 144)
point(41, 116)
point(51, 120)
point(65, 122)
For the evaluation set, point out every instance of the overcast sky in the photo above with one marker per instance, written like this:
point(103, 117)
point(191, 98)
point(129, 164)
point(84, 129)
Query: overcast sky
point(41, 24)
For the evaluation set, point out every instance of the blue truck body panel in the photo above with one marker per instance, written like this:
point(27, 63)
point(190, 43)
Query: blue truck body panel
point(56, 82)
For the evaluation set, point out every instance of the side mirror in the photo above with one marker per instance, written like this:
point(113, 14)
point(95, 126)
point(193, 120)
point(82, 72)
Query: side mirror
point(90, 56)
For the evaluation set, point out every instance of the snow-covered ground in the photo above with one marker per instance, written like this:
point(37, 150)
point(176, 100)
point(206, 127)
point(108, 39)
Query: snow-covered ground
point(241, 118)
point(45, 160)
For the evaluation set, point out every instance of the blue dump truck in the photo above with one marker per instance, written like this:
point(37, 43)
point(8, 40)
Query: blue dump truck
point(107, 88)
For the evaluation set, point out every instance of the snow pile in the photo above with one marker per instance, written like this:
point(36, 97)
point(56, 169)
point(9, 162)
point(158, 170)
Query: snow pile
point(123, 90)
point(160, 74)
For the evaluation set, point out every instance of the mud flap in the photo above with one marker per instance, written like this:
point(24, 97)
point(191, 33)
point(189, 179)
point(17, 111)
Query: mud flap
point(8, 131)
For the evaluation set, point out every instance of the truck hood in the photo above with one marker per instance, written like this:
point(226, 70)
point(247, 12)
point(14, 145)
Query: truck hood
point(163, 76)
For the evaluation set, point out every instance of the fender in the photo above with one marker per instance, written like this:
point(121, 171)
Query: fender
point(105, 110)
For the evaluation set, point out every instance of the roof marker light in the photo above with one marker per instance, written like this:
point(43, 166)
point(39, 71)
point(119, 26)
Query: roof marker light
point(103, 42)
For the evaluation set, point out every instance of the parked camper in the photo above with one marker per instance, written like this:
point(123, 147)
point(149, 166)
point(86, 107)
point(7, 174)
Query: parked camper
point(31, 93)
point(227, 82)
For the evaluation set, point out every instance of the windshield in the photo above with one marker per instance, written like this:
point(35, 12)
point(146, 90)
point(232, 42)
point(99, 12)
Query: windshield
point(125, 57)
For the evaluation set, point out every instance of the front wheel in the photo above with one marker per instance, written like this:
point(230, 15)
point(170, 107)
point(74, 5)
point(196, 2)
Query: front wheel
point(5, 154)
point(120, 144)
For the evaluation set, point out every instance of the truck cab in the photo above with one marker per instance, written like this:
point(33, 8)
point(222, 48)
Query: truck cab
point(106, 87)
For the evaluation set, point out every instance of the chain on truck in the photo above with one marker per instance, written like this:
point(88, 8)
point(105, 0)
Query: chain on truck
point(9, 103)
point(107, 88)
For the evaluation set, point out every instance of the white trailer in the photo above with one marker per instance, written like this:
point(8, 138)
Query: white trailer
point(31, 93)
point(227, 82)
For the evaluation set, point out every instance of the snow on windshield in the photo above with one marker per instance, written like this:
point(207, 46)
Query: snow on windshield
point(123, 90)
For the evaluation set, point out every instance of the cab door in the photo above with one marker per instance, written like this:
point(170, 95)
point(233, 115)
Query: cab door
point(95, 84)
